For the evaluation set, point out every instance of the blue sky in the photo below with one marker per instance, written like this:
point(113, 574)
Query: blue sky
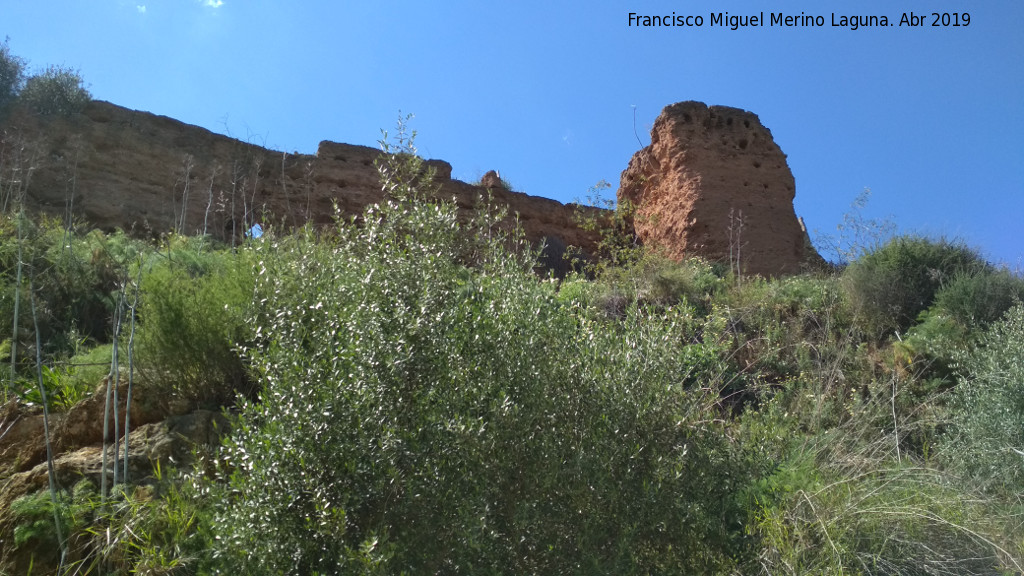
point(930, 118)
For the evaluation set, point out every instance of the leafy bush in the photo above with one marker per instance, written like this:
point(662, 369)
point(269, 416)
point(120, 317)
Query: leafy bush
point(56, 91)
point(61, 389)
point(891, 286)
point(656, 281)
point(963, 308)
point(988, 438)
point(788, 326)
point(667, 282)
point(36, 533)
point(12, 76)
point(150, 529)
point(71, 380)
point(419, 415)
point(930, 349)
point(612, 224)
point(191, 325)
point(35, 519)
point(576, 291)
point(73, 280)
point(976, 300)
point(82, 279)
point(814, 519)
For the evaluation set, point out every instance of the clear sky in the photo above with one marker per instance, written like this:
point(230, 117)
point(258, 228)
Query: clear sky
point(930, 118)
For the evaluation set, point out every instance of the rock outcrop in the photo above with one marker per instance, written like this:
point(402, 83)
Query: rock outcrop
point(713, 183)
point(21, 429)
point(492, 180)
point(149, 174)
point(158, 440)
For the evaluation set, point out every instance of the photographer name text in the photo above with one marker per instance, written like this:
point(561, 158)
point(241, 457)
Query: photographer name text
point(802, 20)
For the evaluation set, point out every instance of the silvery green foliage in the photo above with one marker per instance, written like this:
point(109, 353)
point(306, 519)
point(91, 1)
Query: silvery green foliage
point(988, 437)
point(57, 91)
point(430, 406)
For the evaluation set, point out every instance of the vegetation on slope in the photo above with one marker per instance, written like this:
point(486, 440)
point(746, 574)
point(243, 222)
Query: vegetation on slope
point(55, 90)
point(408, 396)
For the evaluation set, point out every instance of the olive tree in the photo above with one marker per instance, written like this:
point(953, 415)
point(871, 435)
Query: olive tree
point(55, 91)
point(429, 405)
point(12, 77)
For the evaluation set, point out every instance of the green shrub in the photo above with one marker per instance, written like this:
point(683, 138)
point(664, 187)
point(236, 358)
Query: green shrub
point(816, 520)
point(987, 442)
point(976, 300)
point(611, 223)
point(788, 326)
point(56, 91)
point(963, 308)
point(74, 280)
point(35, 518)
point(73, 379)
point(930, 348)
point(81, 281)
point(667, 282)
point(653, 280)
point(12, 77)
point(190, 326)
point(149, 529)
point(811, 304)
point(152, 529)
point(63, 389)
point(890, 287)
point(35, 531)
point(419, 415)
point(576, 291)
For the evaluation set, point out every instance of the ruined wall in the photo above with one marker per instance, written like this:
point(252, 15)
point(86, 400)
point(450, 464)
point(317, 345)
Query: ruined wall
point(149, 174)
point(714, 183)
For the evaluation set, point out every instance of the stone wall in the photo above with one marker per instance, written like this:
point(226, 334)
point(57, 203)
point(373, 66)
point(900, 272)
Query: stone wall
point(713, 183)
point(149, 174)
